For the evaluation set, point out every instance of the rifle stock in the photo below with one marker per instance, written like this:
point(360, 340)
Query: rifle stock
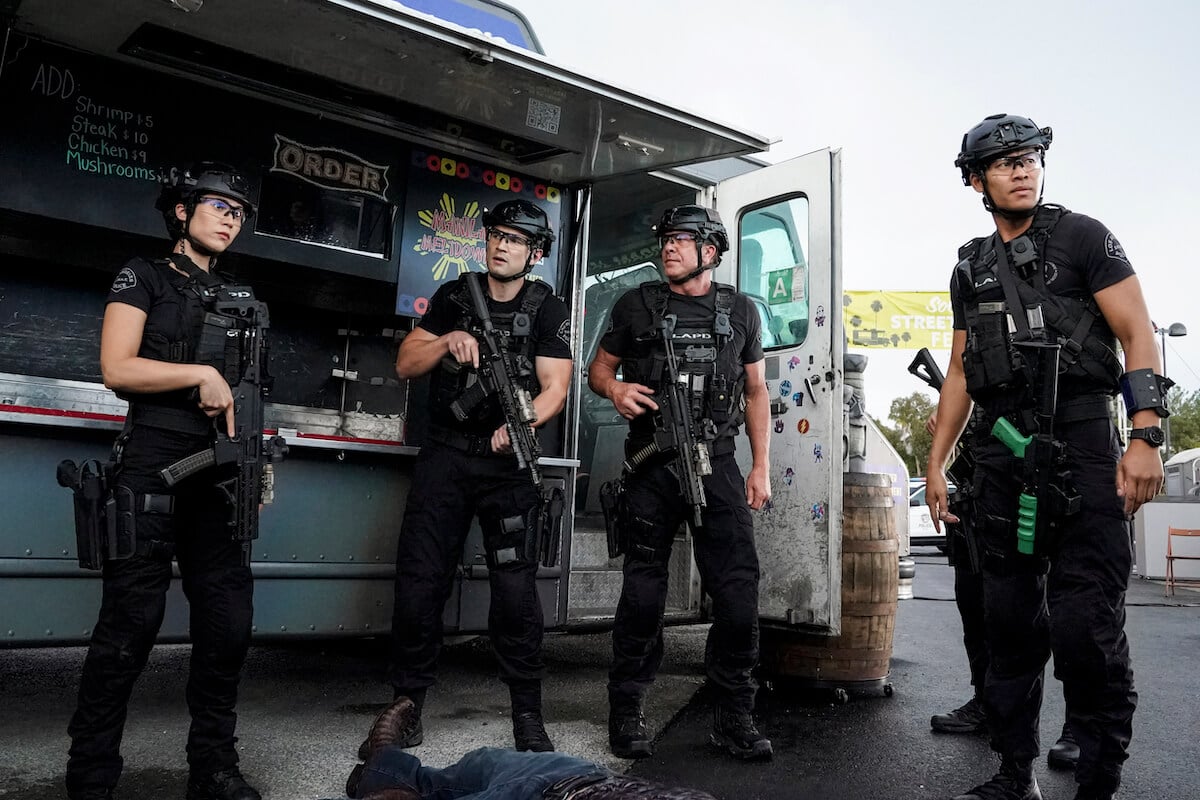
point(932, 374)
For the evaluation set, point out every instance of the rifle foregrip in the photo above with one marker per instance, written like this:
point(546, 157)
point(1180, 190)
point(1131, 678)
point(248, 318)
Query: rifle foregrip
point(188, 465)
point(1027, 507)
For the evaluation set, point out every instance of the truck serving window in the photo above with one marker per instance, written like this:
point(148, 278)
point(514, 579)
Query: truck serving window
point(301, 211)
point(773, 268)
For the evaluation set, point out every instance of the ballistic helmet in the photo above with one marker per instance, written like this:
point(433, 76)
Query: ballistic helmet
point(186, 186)
point(525, 217)
point(704, 222)
point(995, 136)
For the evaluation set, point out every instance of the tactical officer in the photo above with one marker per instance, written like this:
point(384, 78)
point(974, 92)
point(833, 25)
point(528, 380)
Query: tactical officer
point(467, 466)
point(1038, 307)
point(716, 332)
point(149, 343)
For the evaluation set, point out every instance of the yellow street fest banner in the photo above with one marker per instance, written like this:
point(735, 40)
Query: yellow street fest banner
point(898, 320)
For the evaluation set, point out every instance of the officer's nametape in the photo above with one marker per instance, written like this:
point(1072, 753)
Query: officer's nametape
point(898, 320)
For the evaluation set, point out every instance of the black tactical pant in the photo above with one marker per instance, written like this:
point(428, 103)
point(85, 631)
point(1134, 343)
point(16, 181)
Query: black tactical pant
point(1070, 602)
point(219, 590)
point(968, 596)
point(728, 565)
point(449, 487)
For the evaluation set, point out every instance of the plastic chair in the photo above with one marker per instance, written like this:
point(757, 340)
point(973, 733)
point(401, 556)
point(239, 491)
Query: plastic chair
point(1172, 557)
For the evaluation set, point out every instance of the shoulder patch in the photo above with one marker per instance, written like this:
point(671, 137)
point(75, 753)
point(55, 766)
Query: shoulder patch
point(1114, 250)
point(126, 279)
point(564, 332)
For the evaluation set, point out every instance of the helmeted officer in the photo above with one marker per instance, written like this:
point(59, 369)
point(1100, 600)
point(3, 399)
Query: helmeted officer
point(718, 336)
point(466, 467)
point(150, 355)
point(1038, 308)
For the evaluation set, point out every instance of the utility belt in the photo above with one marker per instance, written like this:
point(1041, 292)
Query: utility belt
point(1074, 409)
point(471, 444)
point(717, 447)
point(106, 515)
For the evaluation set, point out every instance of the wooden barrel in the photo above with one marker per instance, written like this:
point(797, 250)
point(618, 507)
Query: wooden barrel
point(862, 653)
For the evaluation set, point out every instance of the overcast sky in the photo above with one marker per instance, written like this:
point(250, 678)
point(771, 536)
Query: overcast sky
point(895, 86)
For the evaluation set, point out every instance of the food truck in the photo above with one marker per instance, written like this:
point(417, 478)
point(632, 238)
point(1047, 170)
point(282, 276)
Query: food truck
point(375, 133)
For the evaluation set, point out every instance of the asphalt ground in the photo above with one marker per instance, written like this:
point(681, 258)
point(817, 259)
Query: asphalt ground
point(305, 706)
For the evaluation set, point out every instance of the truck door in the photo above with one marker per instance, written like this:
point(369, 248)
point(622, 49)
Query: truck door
point(784, 225)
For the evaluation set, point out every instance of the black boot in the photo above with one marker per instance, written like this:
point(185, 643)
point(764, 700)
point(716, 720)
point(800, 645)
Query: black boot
point(967, 718)
point(529, 732)
point(226, 784)
point(1064, 754)
point(628, 736)
point(735, 733)
point(413, 730)
point(1013, 782)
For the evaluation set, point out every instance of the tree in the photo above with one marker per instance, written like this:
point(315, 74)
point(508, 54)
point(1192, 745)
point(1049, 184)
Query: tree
point(907, 432)
point(1185, 419)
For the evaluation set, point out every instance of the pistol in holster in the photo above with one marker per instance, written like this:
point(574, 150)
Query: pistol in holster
point(613, 503)
point(104, 512)
point(549, 536)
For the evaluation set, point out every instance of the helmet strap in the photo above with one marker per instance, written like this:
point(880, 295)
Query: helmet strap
point(199, 248)
point(991, 206)
point(699, 270)
point(522, 273)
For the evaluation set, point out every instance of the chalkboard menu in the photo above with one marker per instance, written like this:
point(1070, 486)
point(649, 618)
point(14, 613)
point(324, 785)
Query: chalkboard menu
point(85, 139)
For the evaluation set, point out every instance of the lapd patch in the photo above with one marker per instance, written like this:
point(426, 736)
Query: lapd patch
point(126, 279)
point(564, 332)
point(1114, 250)
point(1050, 272)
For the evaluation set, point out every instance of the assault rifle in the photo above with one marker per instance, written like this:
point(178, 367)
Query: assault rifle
point(678, 409)
point(1043, 481)
point(960, 471)
point(237, 326)
point(494, 378)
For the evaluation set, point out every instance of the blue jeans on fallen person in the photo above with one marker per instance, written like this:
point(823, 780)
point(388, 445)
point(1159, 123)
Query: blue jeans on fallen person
point(489, 773)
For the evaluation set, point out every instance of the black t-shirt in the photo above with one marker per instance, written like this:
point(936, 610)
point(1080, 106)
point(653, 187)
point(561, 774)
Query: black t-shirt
point(1082, 257)
point(631, 318)
point(156, 288)
point(551, 337)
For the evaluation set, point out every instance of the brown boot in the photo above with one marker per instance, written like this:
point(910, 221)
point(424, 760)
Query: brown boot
point(403, 722)
point(397, 724)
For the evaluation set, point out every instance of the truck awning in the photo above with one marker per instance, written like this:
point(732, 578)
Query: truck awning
point(379, 64)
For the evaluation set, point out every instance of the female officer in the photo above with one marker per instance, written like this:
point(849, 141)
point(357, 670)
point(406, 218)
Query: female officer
point(148, 355)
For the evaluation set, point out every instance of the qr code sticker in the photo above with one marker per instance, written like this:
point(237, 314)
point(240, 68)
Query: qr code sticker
point(543, 116)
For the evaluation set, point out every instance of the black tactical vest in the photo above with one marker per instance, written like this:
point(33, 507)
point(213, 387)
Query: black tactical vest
point(201, 336)
point(701, 352)
point(995, 368)
point(515, 332)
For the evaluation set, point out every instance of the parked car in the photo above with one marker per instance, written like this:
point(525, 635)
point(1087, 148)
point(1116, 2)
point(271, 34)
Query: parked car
point(920, 527)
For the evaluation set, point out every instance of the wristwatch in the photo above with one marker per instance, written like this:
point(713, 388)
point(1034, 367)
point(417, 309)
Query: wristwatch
point(1152, 435)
